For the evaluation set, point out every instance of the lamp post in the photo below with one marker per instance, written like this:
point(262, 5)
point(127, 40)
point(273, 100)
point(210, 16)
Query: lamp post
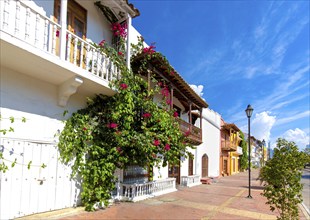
point(263, 143)
point(249, 111)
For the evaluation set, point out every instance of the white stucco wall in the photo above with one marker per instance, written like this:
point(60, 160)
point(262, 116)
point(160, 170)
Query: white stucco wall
point(24, 96)
point(211, 143)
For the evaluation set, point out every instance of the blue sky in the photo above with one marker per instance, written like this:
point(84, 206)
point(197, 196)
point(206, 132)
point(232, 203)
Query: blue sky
point(241, 52)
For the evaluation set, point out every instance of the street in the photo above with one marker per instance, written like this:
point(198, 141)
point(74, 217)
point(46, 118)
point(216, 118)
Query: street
point(225, 199)
point(306, 190)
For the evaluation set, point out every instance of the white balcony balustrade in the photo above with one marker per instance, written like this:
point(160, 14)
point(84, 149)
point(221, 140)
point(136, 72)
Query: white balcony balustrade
point(139, 191)
point(25, 25)
point(190, 181)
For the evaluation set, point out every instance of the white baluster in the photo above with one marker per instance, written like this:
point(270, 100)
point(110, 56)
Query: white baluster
point(6, 10)
point(98, 57)
point(53, 41)
point(87, 57)
point(36, 38)
point(27, 27)
point(45, 35)
point(17, 18)
point(75, 52)
point(81, 54)
point(68, 47)
point(93, 60)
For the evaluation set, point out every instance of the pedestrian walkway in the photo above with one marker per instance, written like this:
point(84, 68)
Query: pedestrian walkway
point(226, 199)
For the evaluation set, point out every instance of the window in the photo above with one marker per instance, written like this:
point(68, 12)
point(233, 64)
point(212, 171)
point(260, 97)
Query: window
point(136, 174)
point(76, 17)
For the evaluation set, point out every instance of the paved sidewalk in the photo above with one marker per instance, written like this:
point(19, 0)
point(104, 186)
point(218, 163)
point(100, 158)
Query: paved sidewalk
point(225, 199)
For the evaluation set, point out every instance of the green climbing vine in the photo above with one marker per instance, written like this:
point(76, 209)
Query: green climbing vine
point(128, 128)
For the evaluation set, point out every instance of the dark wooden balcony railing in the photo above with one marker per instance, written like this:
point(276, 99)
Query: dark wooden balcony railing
point(192, 132)
point(229, 146)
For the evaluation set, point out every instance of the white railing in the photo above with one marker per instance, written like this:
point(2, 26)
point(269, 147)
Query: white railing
point(140, 191)
point(26, 21)
point(189, 181)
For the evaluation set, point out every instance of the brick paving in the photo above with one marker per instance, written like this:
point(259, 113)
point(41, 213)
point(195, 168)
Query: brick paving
point(225, 199)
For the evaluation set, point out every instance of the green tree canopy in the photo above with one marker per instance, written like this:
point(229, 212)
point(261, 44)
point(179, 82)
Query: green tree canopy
point(281, 178)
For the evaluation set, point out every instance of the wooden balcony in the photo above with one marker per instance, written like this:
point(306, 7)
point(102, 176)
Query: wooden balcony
point(228, 146)
point(193, 133)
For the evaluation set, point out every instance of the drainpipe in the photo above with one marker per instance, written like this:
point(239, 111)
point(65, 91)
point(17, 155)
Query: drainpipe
point(63, 23)
point(128, 41)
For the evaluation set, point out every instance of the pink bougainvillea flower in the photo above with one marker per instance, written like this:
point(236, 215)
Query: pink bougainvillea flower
point(123, 86)
point(146, 115)
point(160, 84)
point(156, 142)
point(165, 92)
point(149, 50)
point(57, 33)
point(101, 44)
point(112, 125)
point(168, 102)
point(167, 147)
point(119, 29)
point(175, 114)
point(119, 149)
point(187, 133)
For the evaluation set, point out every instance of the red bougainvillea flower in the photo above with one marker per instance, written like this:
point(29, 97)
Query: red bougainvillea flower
point(168, 102)
point(119, 29)
point(156, 142)
point(112, 125)
point(149, 50)
point(160, 84)
point(175, 114)
point(165, 92)
point(57, 33)
point(167, 147)
point(187, 133)
point(84, 129)
point(101, 44)
point(171, 72)
point(123, 86)
point(120, 53)
point(146, 115)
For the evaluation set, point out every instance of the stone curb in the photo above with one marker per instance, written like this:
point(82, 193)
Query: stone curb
point(305, 210)
point(55, 214)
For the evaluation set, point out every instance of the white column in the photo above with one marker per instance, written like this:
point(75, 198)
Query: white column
point(63, 23)
point(128, 41)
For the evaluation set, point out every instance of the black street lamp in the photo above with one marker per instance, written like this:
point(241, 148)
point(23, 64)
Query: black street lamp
point(263, 143)
point(249, 111)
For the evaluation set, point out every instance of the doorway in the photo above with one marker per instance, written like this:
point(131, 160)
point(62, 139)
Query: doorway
point(204, 165)
point(174, 171)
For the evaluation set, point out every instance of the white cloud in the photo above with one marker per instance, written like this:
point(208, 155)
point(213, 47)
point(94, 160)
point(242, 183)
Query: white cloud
point(261, 125)
point(294, 117)
point(300, 137)
point(198, 89)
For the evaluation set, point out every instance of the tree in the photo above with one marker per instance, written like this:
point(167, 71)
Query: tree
point(128, 128)
point(281, 179)
point(244, 163)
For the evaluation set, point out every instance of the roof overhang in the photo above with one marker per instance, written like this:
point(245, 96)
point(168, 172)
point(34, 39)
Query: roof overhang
point(182, 90)
point(230, 126)
point(117, 10)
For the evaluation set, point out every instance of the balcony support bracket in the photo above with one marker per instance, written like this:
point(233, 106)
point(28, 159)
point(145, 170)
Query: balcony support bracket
point(67, 89)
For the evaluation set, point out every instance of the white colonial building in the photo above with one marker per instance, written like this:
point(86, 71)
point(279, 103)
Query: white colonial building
point(49, 65)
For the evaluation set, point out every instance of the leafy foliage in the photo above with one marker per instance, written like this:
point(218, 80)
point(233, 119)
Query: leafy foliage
point(281, 178)
point(128, 128)
point(244, 161)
